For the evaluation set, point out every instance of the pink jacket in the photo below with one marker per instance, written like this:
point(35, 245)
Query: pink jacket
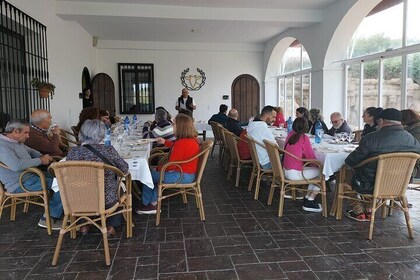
point(302, 149)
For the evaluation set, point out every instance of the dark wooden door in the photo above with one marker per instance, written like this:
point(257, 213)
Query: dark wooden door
point(103, 92)
point(245, 94)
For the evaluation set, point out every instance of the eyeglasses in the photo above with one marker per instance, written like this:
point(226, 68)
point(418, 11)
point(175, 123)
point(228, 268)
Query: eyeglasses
point(336, 121)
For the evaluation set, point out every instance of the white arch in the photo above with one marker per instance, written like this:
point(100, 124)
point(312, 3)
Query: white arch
point(276, 57)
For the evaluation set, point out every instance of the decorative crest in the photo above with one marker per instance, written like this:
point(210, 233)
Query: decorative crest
point(193, 82)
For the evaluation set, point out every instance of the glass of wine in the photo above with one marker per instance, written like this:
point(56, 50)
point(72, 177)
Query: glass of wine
point(350, 137)
point(337, 137)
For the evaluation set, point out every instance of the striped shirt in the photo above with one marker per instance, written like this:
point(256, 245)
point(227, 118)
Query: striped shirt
point(162, 129)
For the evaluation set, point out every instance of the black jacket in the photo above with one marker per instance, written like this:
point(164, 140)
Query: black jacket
point(343, 128)
point(219, 118)
point(388, 139)
point(234, 126)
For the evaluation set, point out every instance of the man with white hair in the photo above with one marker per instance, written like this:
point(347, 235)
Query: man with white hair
point(338, 124)
point(391, 137)
point(39, 137)
point(18, 157)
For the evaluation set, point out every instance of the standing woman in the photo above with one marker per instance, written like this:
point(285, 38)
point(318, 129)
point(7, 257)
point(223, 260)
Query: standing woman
point(185, 147)
point(279, 117)
point(299, 145)
point(302, 112)
point(369, 117)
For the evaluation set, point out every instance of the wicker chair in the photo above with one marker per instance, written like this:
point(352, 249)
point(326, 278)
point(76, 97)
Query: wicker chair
point(357, 135)
point(75, 132)
point(193, 188)
point(257, 172)
point(224, 156)
point(83, 196)
point(39, 198)
point(235, 160)
point(292, 185)
point(217, 138)
point(393, 175)
point(68, 138)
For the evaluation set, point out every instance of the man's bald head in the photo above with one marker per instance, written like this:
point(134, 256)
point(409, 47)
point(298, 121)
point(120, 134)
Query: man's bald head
point(233, 113)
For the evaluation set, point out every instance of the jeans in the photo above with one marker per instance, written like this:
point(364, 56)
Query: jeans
point(266, 166)
point(33, 183)
point(150, 195)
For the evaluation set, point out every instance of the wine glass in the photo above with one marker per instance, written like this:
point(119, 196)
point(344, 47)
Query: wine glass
point(337, 137)
point(343, 136)
point(350, 137)
point(120, 140)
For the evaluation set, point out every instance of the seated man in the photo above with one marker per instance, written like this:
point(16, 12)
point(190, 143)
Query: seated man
point(258, 130)
point(391, 137)
point(232, 124)
point(40, 138)
point(160, 127)
point(220, 117)
point(17, 156)
point(338, 124)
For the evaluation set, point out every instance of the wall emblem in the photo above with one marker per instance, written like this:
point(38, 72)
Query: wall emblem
point(193, 82)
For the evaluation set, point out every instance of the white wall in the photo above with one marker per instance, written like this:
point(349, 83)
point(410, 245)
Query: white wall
point(69, 50)
point(221, 64)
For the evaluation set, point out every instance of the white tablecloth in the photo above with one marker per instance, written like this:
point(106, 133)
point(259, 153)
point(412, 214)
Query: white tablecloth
point(137, 159)
point(331, 155)
point(202, 126)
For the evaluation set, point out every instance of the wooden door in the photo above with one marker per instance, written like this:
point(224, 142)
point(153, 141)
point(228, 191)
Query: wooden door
point(245, 94)
point(103, 92)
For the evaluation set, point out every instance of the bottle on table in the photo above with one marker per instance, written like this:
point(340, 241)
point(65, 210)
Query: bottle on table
point(126, 124)
point(107, 140)
point(319, 132)
point(289, 125)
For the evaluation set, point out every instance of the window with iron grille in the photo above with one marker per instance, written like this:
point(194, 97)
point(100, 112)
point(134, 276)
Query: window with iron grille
point(23, 56)
point(137, 90)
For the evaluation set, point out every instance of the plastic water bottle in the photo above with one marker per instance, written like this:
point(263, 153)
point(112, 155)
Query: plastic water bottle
point(108, 137)
point(134, 122)
point(289, 125)
point(126, 124)
point(319, 132)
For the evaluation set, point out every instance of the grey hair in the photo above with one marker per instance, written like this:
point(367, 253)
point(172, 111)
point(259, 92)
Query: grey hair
point(15, 124)
point(160, 115)
point(92, 132)
point(39, 115)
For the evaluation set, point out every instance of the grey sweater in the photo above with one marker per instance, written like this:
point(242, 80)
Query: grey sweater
point(17, 157)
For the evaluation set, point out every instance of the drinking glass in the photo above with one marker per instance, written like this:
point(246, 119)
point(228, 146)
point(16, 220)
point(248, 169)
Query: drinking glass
point(337, 137)
point(343, 136)
point(350, 137)
point(120, 140)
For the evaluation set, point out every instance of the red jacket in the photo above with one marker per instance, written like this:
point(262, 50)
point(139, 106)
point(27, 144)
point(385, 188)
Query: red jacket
point(243, 148)
point(181, 150)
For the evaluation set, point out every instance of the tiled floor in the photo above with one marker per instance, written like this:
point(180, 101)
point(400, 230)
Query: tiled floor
point(240, 239)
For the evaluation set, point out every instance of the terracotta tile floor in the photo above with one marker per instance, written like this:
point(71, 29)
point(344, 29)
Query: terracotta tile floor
point(241, 239)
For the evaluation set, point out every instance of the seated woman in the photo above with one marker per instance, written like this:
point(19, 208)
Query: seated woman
point(185, 147)
point(279, 118)
point(89, 113)
point(369, 117)
point(316, 116)
point(302, 112)
point(160, 127)
point(92, 134)
point(298, 144)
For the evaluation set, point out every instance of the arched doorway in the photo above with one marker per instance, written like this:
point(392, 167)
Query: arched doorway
point(245, 94)
point(103, 92)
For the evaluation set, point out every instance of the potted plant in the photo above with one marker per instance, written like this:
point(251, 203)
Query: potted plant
point(45, 88)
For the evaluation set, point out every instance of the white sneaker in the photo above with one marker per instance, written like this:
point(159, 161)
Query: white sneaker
point(298, 197)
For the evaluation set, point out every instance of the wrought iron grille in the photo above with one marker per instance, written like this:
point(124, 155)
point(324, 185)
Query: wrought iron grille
point(137, 90)
point(23, 56)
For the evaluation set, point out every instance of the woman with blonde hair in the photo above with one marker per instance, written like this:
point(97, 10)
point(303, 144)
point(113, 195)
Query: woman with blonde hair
point(184, 147)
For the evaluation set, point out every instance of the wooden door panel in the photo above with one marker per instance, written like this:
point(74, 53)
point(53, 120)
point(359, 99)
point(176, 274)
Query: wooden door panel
point(245, 95)
point(103, 92)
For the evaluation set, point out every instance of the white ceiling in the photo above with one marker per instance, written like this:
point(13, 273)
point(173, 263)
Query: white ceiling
point(215, 21)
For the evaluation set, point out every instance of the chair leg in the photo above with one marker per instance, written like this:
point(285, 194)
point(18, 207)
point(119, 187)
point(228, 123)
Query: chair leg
point(238, 175)
point(251, 179)
point(200, 202)
point(13, 209)
point(159, 205)
point(257, 186)
point(339, 210)
point(105, 239)
point(47, 213)
point(26, 206)
point(184, 196)
point(281, 204)
point(271, 194)
point(60, 240)
point(372, 219)
point(231, 165)
point(73, 233)
point(407, 216)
